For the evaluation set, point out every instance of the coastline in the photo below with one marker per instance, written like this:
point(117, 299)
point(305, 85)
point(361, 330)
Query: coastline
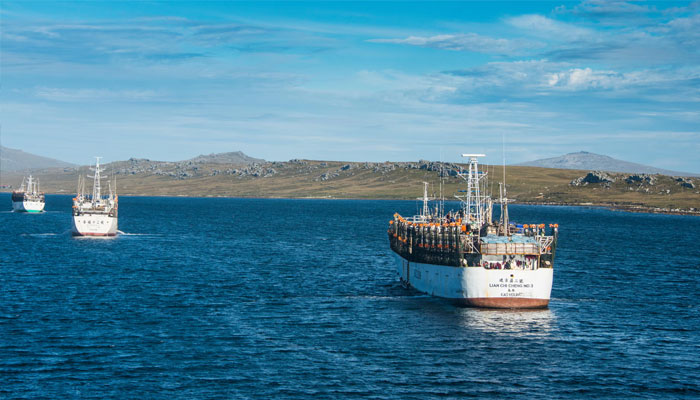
point(633, 208)
point(309, 179)
point(619, 207)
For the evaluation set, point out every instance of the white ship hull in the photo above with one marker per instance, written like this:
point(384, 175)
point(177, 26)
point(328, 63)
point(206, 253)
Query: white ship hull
point(94, 225)
point(28, 206)
point(478, 286)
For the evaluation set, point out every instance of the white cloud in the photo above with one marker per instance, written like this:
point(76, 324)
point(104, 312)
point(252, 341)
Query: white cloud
point(586, 78)
point(548, 28)
point(79, 95)
point(465, 42)
point(608, 9)
point(637, 81)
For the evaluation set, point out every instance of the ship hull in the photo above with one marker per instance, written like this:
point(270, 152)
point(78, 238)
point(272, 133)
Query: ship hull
point(478, 286)
point(28, 206)
point(98, 225)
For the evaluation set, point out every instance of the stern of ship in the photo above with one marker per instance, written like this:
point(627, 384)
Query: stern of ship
point(94, 225)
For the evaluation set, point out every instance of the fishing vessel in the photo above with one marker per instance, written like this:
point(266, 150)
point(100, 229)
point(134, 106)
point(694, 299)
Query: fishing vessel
point(468, 257)
point(28, 198)
point(95, 214)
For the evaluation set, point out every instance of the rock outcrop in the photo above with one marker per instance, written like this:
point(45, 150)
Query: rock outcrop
point(593, 177)
point(641, 179)
point(685, 183)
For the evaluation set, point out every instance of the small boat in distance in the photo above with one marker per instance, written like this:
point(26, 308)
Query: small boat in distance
point(94, 214)
point(467, 257)
point(28, 198)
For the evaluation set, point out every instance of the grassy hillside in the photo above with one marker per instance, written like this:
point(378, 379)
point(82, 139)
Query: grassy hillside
point(331, 179)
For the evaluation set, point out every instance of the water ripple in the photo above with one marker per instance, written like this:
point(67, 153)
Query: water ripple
point(233, 298)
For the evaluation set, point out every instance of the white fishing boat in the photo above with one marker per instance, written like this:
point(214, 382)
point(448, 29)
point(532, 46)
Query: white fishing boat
point(28, 198)
point(95, 214)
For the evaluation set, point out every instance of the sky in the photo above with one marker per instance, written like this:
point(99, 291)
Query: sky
point(352, 81)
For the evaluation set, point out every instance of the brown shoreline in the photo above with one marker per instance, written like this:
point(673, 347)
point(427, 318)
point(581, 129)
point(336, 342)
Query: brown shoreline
point(618, 207)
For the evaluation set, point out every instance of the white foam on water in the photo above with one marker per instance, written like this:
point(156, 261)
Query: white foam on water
point(121, 233)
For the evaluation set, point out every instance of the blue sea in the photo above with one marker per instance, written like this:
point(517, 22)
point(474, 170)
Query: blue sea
point(295, 299)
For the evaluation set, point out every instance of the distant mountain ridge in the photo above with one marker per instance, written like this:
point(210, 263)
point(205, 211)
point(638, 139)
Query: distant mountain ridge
point(13, 160)
point(234, 157)
point(591, 161)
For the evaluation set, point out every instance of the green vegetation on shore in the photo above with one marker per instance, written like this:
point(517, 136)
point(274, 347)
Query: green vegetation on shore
point(391, 180)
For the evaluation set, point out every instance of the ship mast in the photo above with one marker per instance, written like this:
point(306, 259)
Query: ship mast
point(504, 195)
point(426, 207)
point(504, 208)
point(474, 200)
point(30, 185)
point(96, 187)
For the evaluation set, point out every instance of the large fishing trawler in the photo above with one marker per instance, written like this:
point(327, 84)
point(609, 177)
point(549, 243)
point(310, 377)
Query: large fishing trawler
point(95, 215)
point(469, 258)
point(28, 198)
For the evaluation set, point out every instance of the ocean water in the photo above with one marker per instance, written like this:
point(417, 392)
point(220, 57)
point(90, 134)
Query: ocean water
point(249, 298)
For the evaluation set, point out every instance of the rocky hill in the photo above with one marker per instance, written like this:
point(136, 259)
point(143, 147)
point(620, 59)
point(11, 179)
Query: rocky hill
point(236, 157)
point(386, 180)
point(590, 161)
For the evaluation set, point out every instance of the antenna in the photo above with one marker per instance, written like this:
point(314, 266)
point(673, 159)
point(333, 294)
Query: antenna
point(503, 149)
point(441, 211)
point(504, 193)
point(426, 209)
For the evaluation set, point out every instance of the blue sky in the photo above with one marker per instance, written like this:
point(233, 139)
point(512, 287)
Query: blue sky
point(360, 81)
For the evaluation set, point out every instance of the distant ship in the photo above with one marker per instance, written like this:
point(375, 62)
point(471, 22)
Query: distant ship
point(94, 214)
point(470, 259)
point(28, 198)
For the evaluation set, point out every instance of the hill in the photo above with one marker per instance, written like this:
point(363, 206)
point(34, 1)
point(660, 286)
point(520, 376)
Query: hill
point(13, 160)
point(387, 180)
point(236, 157)
point(596, 162)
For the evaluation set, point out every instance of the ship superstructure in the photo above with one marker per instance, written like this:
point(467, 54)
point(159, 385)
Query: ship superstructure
point(467, 257)
point(93, 213)
point(28, 198)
